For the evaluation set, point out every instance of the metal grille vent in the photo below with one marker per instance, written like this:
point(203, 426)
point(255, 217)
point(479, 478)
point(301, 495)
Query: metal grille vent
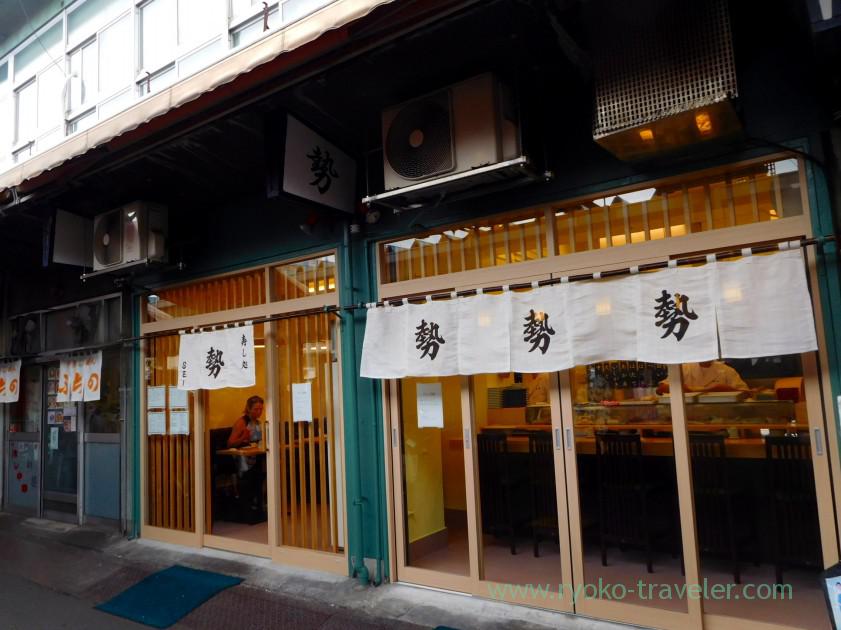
point(419, 142)
point(656, 59)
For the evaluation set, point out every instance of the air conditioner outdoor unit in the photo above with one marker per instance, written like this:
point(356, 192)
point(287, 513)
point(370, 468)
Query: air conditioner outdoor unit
point(462, 127)
point(129, 234)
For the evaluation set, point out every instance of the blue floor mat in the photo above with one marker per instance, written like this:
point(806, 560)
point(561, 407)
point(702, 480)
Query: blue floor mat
point(166, 596)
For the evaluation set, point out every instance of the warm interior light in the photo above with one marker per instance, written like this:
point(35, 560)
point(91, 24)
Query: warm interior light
point(523, 221)
point(732, 294)
point(606, 201)
point(456, 234)
point(637, 196)
point(331, 284)
point(772, 213)
point(603, 308)
point(678, 230)
point(311, 287)
point(704, 123)
point(560, 213)
point(485, 228)
point(432, 239)
point(647, 135)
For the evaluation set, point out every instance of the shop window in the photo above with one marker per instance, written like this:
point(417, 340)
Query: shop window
point(170, 481)
point(765, 191)
point(305, 278)
point(25, 414)
point(75, 327)
point(209, 296)
point(253, 29)
point(311, 509)
point(490, 243)
point(83, 74)
point(26, 113)
point(104, 415)
point(40, 52)
point(170, 28)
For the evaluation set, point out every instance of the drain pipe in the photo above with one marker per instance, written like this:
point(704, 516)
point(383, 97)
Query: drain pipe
point(360, 571)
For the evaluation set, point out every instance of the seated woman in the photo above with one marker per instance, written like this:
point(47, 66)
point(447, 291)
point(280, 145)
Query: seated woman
point(246, 432)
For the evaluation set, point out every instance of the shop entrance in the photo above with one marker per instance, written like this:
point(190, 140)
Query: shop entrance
point(495, 497)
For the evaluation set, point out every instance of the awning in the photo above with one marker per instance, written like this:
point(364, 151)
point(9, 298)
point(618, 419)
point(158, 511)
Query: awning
point(308, 29)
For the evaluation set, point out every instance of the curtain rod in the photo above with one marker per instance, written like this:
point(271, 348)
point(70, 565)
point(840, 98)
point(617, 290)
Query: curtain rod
point(336, 310)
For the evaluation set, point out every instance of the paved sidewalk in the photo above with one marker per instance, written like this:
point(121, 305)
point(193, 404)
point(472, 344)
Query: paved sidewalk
point(52, 574)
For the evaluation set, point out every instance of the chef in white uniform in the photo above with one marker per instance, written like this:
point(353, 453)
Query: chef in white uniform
point(708, 376)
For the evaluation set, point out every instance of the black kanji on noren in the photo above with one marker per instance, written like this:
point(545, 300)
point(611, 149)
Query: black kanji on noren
point(322, 169)
point(537, 331)
point(428, 339)
point(673, 315)
point(214, 362)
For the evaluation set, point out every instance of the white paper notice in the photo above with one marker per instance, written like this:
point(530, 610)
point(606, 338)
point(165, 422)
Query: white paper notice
point(177, 398)
point(53, 438)
point(430, 406)
point(156, 397)
point(302, 402)
point(179, 423)
point(156, 423)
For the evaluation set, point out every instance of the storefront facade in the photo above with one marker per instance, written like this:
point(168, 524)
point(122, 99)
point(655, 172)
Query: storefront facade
point(68, 460)
point(192, 486)
point(588, 476)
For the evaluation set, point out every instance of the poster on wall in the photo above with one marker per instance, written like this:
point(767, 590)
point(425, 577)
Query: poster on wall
point(179, 423)
point(156, 397)
point(302, 402)
point(156, 423)
point(430, 406)
point(217, 359)
point(177, 398)
point(9, 381)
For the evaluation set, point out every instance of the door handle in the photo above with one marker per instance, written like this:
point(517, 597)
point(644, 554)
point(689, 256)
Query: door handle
point(818, 443)
point(467, 439)
point(394, 437)
point(568, 433)
point(557, 439)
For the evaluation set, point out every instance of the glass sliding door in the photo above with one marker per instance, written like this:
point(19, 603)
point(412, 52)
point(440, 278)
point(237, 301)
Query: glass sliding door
point(754, 449)
point(434, 509)
point(61, 454)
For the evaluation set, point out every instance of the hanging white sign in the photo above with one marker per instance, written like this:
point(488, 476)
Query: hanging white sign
point(92, 376)
point(432, 338)
point(80, 378)
point(676, 316)
point(384, 354)
point(217, 359)
point(316, 169)
point(764, 307)
point(538, 334)
point(484, 323)
point(602, 317)
point(10, 381)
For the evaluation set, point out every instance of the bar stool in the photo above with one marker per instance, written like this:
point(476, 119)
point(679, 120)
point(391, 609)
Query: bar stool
point(625, 517)
point(500, 488)
point(544, 501)
point(717, 499)
point(793, 503)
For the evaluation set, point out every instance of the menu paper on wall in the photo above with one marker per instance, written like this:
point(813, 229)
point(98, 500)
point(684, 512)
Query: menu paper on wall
point(9, 381)
point(302, 402)
point(430, 406)
point(156, 397)
point(156, 423)
point(179, 423)
point(177, 398)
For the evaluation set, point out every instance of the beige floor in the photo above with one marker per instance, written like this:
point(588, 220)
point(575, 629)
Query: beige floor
point(805, 609)
point(258, 532)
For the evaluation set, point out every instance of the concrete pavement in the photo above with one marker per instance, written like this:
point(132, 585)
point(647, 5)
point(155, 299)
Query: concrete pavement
point(52, 574)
